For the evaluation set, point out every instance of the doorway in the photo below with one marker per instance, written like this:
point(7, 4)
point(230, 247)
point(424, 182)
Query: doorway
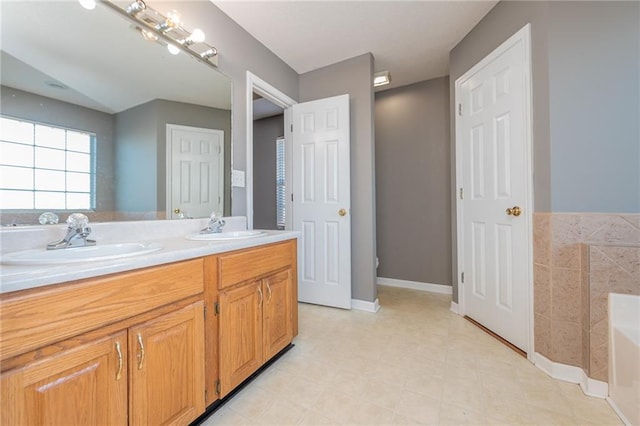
point(269, 165)
point(495, 191)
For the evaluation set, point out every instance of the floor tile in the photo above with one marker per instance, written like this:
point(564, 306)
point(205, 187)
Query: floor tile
point(414, 362)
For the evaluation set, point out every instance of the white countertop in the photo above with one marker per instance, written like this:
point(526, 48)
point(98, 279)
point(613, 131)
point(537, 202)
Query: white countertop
point(174, 249)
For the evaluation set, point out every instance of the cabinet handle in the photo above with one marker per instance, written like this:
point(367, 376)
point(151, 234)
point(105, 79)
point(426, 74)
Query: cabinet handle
point(260, 293)
point(119, 372)
point(141, 353)
point(269, 289)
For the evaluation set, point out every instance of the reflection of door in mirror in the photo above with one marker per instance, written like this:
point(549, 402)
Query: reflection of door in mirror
point(268, 127)
point(195, 172)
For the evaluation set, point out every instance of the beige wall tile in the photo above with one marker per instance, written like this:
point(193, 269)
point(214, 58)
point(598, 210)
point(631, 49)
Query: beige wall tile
point(565, 295)
point(610, 229)
point(542, 335)
point(598, 367)
point(566, 342)
point(542, 238)
point(565, 255)
point(542, 290)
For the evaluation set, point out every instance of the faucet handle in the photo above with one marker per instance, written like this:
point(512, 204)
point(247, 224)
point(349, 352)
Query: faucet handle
point(77, 221)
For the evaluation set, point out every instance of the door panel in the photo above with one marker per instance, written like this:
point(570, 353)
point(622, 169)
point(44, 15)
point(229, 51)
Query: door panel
point(494, 165)
point(41, 393)
point(167, 365)
point(241, 350)
point(277, 323)
point(321, 200)
point(196, 175)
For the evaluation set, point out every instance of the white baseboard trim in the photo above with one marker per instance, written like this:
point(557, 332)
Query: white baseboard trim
point(415, 285)
point(363, 305)
point(454, 308)
point(620, 414)
point(572, 374)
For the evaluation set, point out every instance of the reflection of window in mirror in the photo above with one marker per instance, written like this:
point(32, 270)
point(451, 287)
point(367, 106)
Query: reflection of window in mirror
point(280, 184)
point(45, 167)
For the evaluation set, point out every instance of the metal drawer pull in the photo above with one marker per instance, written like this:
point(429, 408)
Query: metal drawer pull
point(260, 292)
point(269, 288)
point(141, 353)
point(119, 350)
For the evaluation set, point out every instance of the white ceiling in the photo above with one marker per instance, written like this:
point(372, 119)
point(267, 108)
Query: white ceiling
point(411, 39)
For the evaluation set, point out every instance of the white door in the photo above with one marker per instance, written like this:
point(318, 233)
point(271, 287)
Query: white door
point(195, 171)
point(494, 204)
point(321, 200)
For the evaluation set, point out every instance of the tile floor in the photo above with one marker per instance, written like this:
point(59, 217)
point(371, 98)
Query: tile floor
point(414, 362)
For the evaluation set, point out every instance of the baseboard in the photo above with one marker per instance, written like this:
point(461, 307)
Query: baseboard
point(415, 285)
point(454, 308)
point(620, 414)
point(572, 374)
point(363, 305)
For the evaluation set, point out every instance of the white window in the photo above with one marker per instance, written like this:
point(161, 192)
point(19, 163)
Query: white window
point(45, 167)
point(281, 195)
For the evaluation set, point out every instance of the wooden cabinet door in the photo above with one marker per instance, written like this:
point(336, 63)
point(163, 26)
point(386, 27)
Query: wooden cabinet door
point(167, 368)
point(240, 334)
point(277, 325)
point(85, 385)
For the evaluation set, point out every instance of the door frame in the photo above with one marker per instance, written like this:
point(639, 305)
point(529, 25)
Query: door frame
point(169, 157)
point(269, 92)
point(524, 36)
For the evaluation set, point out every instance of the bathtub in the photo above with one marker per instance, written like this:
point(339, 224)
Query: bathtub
point(624, 356)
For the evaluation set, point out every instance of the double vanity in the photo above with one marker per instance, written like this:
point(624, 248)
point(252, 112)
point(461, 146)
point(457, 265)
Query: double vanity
point(154, 338)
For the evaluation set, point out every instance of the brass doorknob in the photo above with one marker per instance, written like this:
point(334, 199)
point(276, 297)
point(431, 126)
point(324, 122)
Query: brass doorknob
point(176, 211)
point(515, 211)
point(342, 212)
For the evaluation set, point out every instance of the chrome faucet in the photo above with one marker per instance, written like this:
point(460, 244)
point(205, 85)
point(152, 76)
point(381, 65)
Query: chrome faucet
point(215, 225)
point(77, 232)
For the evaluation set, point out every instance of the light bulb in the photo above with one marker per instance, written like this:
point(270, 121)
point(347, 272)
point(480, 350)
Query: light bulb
point(173, 19)
point(173, 49)
point(197, 36)
point(149, 36)
point(88, 4)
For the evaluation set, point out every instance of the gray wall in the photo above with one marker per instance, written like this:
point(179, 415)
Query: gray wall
point(20, 104)
point(141, 150)
point(585, 67)
point(412, 182)
point(239, 53)
point(355, 77)
point(594, 106)
point(265, 134)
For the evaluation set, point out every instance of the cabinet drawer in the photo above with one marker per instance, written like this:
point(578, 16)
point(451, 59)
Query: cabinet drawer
point(35, 318)
point(242, 265)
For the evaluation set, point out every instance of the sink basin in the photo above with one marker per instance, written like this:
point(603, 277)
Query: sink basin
point(226, 236)
point(78, 254)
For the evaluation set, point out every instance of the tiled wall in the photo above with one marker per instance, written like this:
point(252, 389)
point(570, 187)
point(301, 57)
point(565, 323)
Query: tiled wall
point(578, 260)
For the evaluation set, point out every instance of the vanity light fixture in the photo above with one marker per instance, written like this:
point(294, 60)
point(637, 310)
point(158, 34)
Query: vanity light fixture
point(88, 4)
point(173, 49)
point(136, 7)
point(381, 78)
point(167, 30)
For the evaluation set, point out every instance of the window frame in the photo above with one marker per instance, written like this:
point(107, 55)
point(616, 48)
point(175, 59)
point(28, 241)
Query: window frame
point(92, 168)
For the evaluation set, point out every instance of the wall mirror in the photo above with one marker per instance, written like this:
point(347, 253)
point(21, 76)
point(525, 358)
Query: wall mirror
point(142, 111)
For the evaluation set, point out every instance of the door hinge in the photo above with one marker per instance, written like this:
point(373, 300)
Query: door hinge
point(205, 394)
point(459, 109)
point(292, 128)
point(292, 197)
point(462, 277)
point(219, 150)
point(216, 307)
point(218, 387)
point(205, 312)
point(461, 194)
